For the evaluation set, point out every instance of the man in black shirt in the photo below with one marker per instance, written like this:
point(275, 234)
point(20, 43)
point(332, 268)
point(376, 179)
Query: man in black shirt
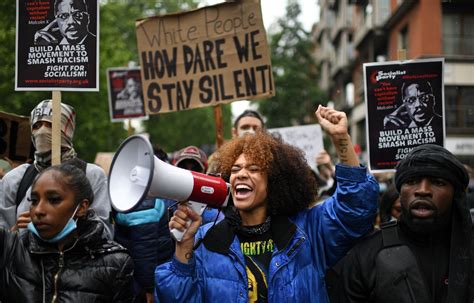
point(427, 255)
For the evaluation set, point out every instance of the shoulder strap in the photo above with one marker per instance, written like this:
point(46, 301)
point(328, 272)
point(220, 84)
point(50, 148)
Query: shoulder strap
point(25, 183)
point(398, 276)
point(390, 234)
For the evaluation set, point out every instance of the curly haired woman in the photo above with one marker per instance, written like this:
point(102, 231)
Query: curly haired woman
point(271, 247)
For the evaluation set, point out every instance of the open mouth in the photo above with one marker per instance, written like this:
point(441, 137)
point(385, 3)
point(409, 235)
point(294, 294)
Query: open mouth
point(242, 191)
point(422, 209)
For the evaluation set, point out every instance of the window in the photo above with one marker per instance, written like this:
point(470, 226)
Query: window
point(458, 34)
point(459, 108)
point(403, 39)
point(382, 8)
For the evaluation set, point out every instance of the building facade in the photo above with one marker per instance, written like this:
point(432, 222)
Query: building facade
point(352, 32)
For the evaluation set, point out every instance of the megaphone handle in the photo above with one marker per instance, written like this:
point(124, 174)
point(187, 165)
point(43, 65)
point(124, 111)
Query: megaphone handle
point(199, 209)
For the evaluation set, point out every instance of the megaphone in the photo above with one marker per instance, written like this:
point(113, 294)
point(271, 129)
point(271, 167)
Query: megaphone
point(136, 174)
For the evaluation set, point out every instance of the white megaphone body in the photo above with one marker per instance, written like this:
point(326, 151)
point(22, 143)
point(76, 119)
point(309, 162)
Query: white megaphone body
point(136, 174)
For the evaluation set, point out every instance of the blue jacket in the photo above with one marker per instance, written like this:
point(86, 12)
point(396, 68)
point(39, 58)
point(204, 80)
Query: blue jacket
point(145, 233)
point(307, 245)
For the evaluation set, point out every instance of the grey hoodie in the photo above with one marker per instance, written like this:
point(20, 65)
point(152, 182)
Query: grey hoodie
point(11, 181)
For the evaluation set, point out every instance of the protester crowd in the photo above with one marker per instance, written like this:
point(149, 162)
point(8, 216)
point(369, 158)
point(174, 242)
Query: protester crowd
point(288, 234)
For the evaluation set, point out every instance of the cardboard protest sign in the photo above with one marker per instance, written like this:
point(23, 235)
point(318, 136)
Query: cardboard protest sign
point(309, 138)
point(104, 160)
point(212, 55)
point(405, 108)
point(57, 49)
point(125, 94)
point(15, 138)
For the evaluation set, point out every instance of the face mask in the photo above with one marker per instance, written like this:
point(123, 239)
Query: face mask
point(67, 229)
point(249, 131)
point(42, 139)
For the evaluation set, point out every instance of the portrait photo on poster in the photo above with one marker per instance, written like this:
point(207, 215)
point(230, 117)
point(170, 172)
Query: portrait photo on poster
point(69, 26)
point(57, 45)
point(405, 109)
point(125, 93)
point(417, 108)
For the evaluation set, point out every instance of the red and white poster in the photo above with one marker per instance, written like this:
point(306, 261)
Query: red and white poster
point(125, 94)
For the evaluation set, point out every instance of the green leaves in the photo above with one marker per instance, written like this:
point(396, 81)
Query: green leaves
point(95, 132)
point(295, 74)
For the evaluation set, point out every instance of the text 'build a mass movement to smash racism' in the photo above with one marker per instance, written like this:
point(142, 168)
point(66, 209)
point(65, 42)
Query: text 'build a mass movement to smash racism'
point(204, 57)
point(408, 137)
point(56, 56)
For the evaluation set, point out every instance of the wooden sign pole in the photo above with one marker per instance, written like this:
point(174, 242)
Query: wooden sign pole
point(56, 129)
point(130, 128)
point(218, 118)
point(219, 128)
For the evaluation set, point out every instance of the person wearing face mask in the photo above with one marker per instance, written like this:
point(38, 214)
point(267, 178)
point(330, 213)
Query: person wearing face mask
point(271, 247)
point(427, 255)
point(14, 206)
point(63, 256)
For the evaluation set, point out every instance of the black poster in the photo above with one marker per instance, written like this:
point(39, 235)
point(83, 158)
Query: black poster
point(125, 94)
point(405, 108)
point(57, 45)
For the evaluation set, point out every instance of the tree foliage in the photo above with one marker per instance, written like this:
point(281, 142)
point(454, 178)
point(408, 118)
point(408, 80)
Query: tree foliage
point(295, 74)
point(95, 132)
